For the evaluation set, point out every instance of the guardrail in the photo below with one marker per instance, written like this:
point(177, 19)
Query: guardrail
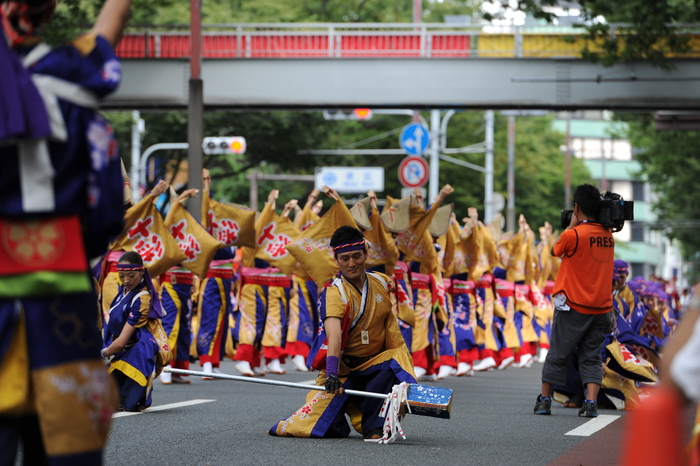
point(365, 40)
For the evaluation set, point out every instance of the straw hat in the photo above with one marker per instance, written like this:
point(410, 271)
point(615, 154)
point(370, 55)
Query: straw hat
point(396, 216)
point(441, 221)
point(360, 213)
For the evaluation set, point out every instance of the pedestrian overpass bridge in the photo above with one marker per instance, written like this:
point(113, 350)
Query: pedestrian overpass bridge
point(417, 66)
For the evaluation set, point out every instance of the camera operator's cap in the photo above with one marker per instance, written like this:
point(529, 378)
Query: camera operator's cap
point(396, 216)
point(360, 213)
point(441, 221)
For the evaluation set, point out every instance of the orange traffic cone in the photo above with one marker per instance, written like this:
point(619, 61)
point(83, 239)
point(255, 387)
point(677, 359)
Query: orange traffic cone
point(654, 432)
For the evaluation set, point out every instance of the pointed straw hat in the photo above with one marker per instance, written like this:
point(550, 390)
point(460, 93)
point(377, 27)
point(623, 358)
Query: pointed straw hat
point(360, 212)
point(441, 221)
point(396, 216)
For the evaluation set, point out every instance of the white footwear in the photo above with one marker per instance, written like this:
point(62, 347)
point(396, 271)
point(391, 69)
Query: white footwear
point(542, 354)
point(300, 363)
point(420, 372)
point(525, 360)
point(244, 368)
point(445, 371)
point(275, 367)
point(485, 364)
point(506, 362)
point(261, 371)
point(166, 378)
point(207, 369)
point(463, 368)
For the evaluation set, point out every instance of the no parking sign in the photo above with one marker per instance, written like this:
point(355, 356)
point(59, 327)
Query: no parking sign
point(413, 172)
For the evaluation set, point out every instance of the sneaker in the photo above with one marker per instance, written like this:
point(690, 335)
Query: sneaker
point(543, 406)
point(588, 409)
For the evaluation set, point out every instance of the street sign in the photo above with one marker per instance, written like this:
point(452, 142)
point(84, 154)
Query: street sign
point(414, 139)
point(350, 179)
point(413, 172)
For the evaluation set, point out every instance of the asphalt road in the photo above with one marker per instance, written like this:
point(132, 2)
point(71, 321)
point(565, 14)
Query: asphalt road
point(491, 424)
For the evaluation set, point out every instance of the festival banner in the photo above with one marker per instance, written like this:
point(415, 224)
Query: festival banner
point(313, 250)
point(273, 234)
point(146, 233)
point(194, 241)
point(232, 226)
point(416, 243)
point(382, 248)
point(480, 252)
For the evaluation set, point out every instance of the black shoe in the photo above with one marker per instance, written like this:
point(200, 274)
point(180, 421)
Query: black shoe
point(373, 434)
point(588, 410)
point(543, 406)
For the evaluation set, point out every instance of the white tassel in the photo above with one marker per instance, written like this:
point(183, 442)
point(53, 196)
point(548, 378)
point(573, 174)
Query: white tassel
point(390, 409)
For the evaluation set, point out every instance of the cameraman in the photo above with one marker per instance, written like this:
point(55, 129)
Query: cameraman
point(582, 301)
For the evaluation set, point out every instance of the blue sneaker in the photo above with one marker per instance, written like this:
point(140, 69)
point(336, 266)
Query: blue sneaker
point(588, 409)
point(543, 407)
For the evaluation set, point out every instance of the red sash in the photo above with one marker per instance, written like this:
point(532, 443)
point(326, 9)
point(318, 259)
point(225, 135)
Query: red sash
point(178, 278)
point(52, 244)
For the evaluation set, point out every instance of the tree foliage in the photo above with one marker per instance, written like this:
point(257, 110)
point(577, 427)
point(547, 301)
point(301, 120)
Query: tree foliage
point(669, 161)
point(625, 30)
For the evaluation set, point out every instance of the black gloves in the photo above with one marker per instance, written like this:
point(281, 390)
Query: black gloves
point(333, 384)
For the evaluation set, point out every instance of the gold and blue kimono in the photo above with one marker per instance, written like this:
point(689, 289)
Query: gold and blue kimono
point(214, 307)
point(175, 296)
point(303, 317)
point(58, 207)
point(375, 365)
point(261, 314)
point(134, 367)
point(464, 311)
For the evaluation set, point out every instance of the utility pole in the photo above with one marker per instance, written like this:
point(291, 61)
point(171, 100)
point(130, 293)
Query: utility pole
point(137, 128)
point(510, 214)
point(434, 179)
point(195, 109)
point(488, 182)
point(567, 182)
point(417, 11)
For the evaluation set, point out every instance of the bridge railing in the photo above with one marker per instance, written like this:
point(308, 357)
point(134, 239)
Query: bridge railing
point(365, 40)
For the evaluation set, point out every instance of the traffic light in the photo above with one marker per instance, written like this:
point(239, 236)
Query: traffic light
point(224, 145)
point(348, 114)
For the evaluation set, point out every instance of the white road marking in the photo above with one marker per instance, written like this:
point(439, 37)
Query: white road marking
point(593, 426)
point(179, 404)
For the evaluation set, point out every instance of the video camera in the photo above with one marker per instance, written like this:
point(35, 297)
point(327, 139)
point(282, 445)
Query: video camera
point(612, 212)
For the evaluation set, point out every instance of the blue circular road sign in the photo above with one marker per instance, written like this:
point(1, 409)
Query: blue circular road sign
point(414, 139)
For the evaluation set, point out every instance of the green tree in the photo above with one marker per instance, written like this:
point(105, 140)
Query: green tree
point(625, 30)
point(669, 161)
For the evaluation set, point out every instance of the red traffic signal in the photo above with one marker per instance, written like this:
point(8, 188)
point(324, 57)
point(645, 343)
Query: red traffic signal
point(224, 145)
